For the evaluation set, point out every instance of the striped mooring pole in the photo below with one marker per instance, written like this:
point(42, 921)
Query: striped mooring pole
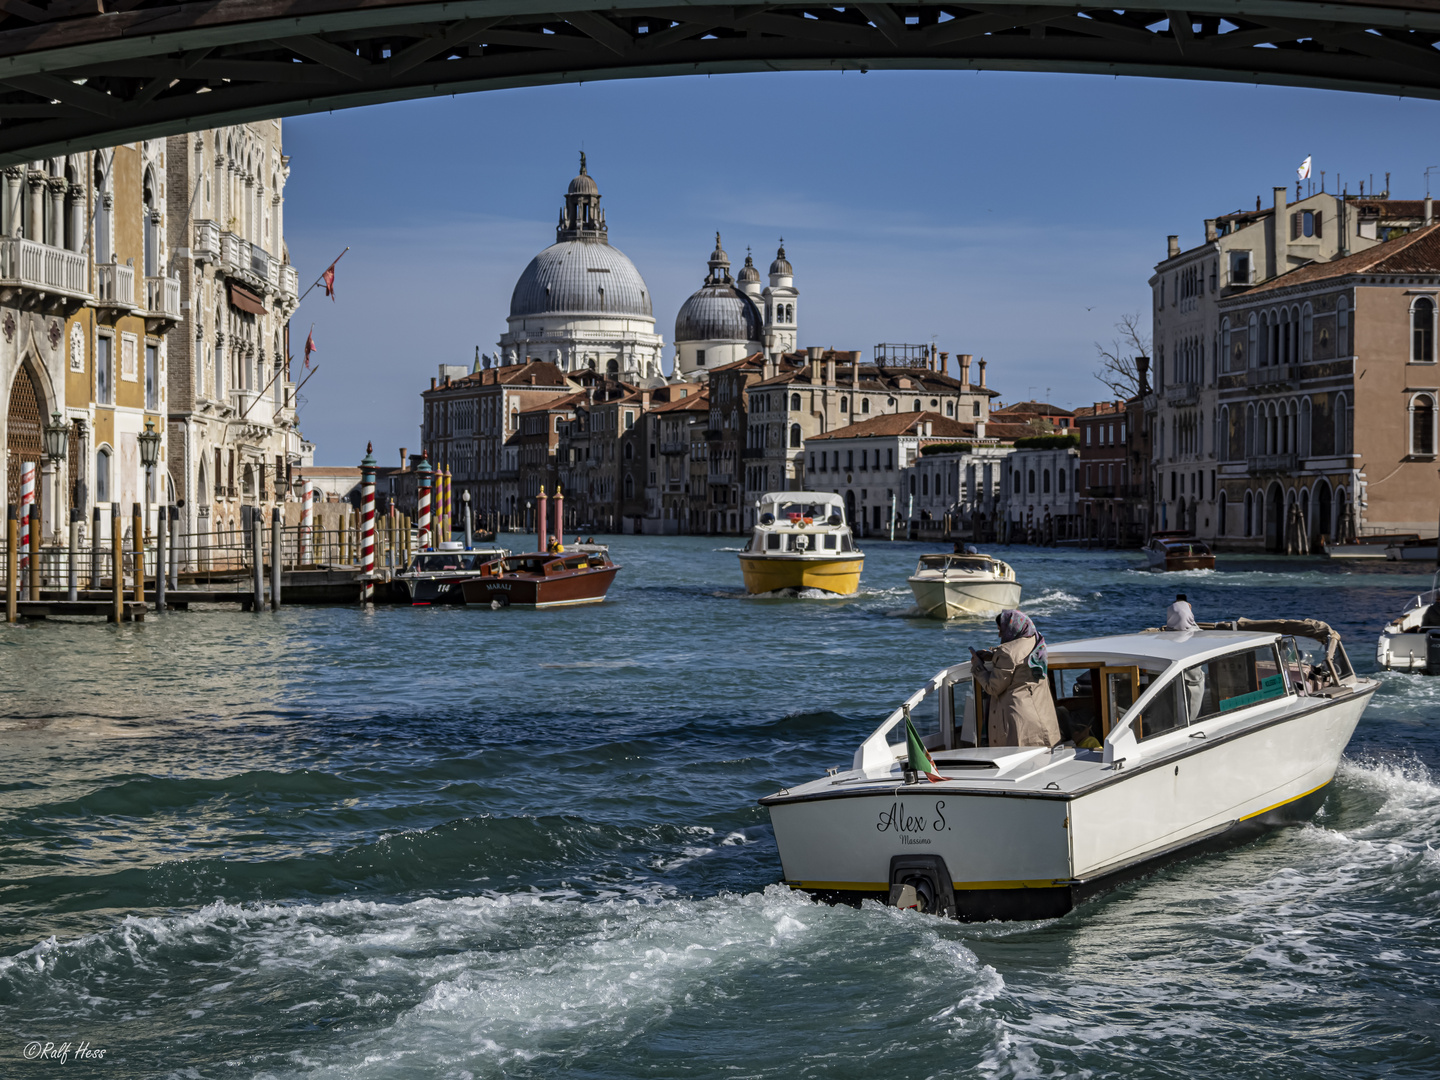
point(367, 523)
point(447, 527)
point(27, 507)
point(307, 521)
point(422, 518)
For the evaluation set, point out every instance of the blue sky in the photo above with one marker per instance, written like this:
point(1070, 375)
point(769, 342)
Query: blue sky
point(1013, 216)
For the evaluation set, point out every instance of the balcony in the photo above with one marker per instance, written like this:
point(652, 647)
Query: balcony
point(162, 300)
point(289, 281)
point(1271, 374)
point(1100, 491)
point(54, 271)
point(753, 452)
point(234, 253)
point(1182, 393)
point(115, 285)
point(1284, 463)
point(207, 242)
point(675, 446)
point(264, 267)
point(720, 478)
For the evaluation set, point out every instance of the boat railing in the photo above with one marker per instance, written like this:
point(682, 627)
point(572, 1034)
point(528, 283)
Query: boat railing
point(877, 753)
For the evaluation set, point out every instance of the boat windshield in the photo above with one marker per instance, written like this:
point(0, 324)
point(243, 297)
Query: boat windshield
point(440, 562)
point(975, 564)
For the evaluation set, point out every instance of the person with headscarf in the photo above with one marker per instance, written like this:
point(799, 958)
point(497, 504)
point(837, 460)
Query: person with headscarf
point(1022, 712)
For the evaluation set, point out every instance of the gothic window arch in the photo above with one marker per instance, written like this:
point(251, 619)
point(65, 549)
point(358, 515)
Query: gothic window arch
point(917, 405)
point(103, 478)
point(1342, 424)
point(1253, 339)
point(1307, 334)
point(1306, 418)
point(1422, 330)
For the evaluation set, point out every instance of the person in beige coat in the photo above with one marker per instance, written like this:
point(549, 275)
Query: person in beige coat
point(1022, 712)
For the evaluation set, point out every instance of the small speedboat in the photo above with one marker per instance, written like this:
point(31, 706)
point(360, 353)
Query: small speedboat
point(1405, 643)
point(801, 541)
point(1206, 738)
point(543, 579)
point(967, 583)
point(1176, 551)
point(435, 577)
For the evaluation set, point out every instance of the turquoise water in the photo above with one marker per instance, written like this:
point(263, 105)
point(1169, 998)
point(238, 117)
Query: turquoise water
point(471, 843)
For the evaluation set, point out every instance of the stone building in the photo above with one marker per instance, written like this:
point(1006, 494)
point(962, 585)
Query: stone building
point(580, 304)
point(1241, 251)
point(1327, 401)
point(1113, 507)
point(1039, 481)
point(537, 442)
point(958, 494)
point(674, 433)
point(82, 341)
point(234, 436)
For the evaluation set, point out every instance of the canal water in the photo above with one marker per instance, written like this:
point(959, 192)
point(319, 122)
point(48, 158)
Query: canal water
point(473, 843)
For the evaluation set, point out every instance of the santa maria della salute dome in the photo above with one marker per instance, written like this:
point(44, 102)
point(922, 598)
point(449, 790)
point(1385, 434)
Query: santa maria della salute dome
point(582, 305)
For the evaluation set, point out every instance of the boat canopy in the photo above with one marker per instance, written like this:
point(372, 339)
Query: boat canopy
point(798, 505)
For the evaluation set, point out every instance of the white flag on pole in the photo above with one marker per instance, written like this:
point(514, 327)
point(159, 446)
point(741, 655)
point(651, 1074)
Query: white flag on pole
point(1304, 171)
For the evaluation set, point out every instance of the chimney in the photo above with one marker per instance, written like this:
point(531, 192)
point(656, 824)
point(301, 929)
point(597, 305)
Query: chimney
point(432, 382)
point(1282, 232)
point(1429, 211)
point(965, 369)
point(1142, 366)
point(854, 371)
point(815, 352)
point(979, 429)
point(982, 373)
point(1210, 234)
point(767, 369)
point(830, 370)
point(1172, 245)
point(402, 457)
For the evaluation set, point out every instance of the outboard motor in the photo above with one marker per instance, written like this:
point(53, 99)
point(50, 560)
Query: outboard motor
point(922, 882)
point(1432, 652)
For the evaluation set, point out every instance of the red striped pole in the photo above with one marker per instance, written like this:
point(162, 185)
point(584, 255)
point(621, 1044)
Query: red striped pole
point(367, 521)
point(27, 507)
point(422, 519)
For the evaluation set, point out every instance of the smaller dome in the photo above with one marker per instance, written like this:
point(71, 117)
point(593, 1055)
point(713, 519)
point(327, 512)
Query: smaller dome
point(748, 274)
point(781, 265)
point(718, 312)
point(718, 256)
point(583, 184)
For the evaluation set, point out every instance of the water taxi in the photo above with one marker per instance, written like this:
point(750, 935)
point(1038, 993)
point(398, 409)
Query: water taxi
point(801, 541)
point(436, 577)
point(1204, 738)
point(1406, 642)
point(1178, 551)
point(964, 583)
point(542, 579)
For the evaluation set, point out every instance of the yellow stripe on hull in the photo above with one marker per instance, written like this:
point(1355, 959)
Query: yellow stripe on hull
point(763, 575)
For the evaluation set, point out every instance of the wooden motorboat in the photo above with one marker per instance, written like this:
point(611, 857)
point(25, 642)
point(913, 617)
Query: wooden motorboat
point(543, 579)
point(801, 541)
point(966, 583)
point(1405, 643)
point(1177, 551)
point(435, 577)
point(1205, 737)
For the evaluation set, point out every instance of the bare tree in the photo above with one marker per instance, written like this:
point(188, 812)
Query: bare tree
point(1117, 362)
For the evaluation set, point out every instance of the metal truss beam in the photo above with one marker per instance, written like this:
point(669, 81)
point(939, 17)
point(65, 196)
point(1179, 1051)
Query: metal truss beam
point(80, 74)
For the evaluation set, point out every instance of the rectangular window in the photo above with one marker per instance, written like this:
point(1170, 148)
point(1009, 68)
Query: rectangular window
point(1164, 713)
point(1088, 429)
point(1240, 268)
point(850, 459)
point(699, 357)
point(105, 370)
point(889, 458)
point(1229, 683)
point(152, 377)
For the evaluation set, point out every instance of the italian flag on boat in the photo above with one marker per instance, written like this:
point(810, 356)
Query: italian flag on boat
point(919, 757)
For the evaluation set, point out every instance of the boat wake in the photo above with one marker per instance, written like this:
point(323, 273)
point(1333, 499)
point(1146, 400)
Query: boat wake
point(1054, 602)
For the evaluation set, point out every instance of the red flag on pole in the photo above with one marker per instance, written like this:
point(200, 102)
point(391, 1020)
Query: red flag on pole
point(329, 279)
point(310, 346)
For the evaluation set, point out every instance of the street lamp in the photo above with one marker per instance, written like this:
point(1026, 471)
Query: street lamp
point(465, 500)
point(57, 444)
point(149, 441)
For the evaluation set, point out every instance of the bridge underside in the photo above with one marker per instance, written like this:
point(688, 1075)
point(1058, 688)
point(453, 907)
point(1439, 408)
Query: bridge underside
point(80, 74)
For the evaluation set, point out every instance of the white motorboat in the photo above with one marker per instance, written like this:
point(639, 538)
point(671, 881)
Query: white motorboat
point(1404, 644)
point(437, 577)
point(969, 583)
point(1209, 736)
point(801, 541)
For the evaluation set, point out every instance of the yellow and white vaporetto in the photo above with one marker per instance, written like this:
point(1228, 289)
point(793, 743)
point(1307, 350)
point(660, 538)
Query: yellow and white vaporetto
point(801, 540)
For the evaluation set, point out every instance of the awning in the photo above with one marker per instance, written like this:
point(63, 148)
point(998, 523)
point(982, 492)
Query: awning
point(245, 300)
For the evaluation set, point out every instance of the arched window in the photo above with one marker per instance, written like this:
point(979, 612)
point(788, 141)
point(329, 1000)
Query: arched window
point(629, 486)
point(1342, 327)
point(925, 484)
point(917, 405)
point(102, 475)
point(1422, 425)
point(1342, 424)
point(949, 408)
point(1307, 335)
point(795, 435)
point(1253, 341)
point(1032, 481)
point(1222, 434)
point(1221, 515)
point(1017, 481)
point(629, 451)
point(1045, 481)
point(1305, 417)
point(1060, 479)
point(794, 402)
point(1249, 513)
point(865, 405)
point(845, 404)
point(1422, 330)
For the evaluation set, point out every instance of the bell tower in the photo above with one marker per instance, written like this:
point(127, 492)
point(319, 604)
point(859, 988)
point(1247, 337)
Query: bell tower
point(582, 218)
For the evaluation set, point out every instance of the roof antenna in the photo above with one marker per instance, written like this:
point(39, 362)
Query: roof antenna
point(1427, 178)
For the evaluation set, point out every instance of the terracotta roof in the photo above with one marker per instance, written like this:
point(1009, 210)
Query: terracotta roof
point(754, 360)
point(694, 403)
point(1416, 252)
point(1032, 408)
point(1006, 432)
point(904, 423)
point(557, 403)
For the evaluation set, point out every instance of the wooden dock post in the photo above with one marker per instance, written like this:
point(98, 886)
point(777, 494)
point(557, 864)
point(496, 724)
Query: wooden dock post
point(276, 550)
point(12, 563)
point(137, 547)
point(72, 584)
point(35, 575)
point(96, 566)
point(117, 564)
point(257, 554)
point(160, 561)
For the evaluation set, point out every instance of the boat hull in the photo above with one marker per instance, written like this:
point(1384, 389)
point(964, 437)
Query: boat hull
point(1402, 652)
point(565, 590)
point(950, 599)
point(772, 573)
point(1167, 563)
point(1023, 855)
point(434, 590)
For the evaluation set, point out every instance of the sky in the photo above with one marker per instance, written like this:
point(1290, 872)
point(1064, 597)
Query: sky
point(1015, 216)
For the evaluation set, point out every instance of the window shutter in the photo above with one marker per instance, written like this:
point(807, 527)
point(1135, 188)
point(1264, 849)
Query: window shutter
point(1318, 217)
point(1295, 226)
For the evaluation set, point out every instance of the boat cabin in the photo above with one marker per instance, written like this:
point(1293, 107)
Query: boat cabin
point(966, 564)
point(1132, 693)
point(799, 522)
point(543, 565)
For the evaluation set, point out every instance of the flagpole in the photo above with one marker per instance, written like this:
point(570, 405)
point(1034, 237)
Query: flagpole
point(322, 276)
